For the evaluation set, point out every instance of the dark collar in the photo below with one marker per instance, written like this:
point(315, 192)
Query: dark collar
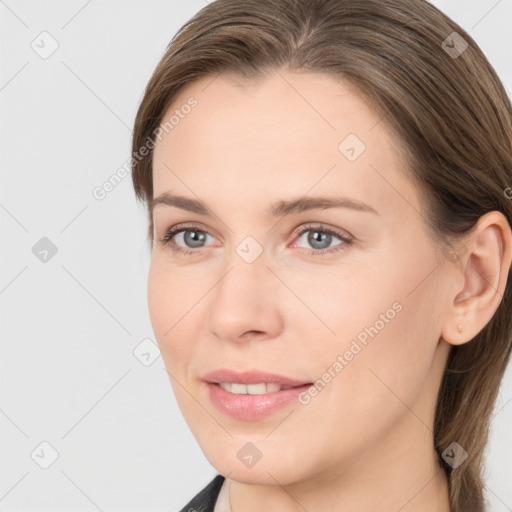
point(204, 500)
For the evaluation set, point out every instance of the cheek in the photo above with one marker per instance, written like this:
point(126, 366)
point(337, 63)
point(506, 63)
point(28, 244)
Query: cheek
point(344, 310)
point(382, 345)
point(169, 304)
point(173, 318)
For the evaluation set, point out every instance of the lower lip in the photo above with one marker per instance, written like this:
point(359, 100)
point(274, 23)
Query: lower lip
point(252, 407)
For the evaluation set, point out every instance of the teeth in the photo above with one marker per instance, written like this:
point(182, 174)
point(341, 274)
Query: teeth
point(250, 389)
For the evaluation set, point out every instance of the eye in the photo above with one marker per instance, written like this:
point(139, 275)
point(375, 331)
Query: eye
point(321, 237)
point(185, 234)
point(181, 236)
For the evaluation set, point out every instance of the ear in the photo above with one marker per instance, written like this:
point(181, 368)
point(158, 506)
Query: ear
point(485, 265)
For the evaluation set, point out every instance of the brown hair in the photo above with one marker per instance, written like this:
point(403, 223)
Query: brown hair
point(450, 112)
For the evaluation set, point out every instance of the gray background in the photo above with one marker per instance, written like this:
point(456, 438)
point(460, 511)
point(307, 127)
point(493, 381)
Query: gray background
point(71, 325)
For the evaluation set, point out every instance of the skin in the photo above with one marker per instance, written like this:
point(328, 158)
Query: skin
point(365, 442)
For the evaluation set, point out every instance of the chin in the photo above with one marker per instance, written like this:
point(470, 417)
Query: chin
point(253, 462)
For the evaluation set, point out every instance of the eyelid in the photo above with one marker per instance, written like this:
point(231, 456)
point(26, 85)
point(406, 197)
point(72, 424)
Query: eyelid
point(319, 226)
point(183, 226)
point(171, 233)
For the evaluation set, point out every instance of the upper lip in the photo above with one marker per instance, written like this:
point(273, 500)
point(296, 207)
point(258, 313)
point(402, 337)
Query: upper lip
point(251, 377)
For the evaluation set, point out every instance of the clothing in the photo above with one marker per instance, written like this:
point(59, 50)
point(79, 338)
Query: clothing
point(212, 498)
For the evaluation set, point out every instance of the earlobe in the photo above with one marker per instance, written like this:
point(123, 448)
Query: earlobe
point(485, 267)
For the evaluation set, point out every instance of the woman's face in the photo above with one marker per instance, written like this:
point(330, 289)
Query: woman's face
point(361, 317)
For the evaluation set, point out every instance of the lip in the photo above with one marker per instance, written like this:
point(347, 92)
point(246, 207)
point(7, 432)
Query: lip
point(251, 377)
point(251, 407)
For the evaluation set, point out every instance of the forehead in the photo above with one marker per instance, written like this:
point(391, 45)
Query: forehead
point(283, 135)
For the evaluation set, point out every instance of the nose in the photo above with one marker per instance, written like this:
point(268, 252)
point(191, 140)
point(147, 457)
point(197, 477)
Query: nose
point(244, 304)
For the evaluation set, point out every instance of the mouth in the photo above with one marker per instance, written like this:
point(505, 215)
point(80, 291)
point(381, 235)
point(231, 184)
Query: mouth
point(261, 388)
point(252, 401)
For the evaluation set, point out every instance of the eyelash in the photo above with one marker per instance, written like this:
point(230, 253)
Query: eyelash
point(168, 238)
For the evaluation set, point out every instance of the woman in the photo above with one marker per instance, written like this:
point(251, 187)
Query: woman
point(328, 193)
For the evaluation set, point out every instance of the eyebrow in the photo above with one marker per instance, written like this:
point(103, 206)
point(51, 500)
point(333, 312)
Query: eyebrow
point(277, 209)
